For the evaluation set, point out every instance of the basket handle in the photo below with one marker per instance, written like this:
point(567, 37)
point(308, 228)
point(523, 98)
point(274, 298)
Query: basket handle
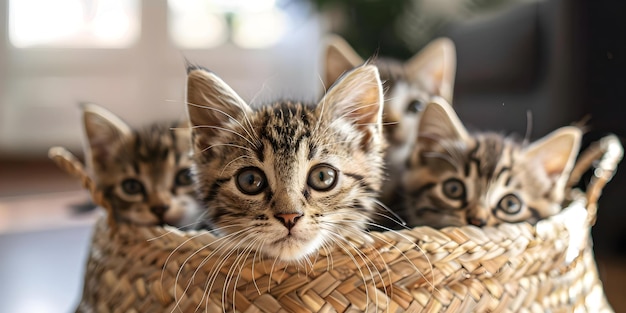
point(603, 156)
point(70, 164)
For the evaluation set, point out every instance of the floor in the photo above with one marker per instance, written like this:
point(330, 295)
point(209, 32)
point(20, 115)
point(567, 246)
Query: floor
point(44, 237)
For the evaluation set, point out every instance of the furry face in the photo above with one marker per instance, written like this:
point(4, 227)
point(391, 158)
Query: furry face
point(455, 178)
point(145, 173)
point(288, 178)
point(410, 85)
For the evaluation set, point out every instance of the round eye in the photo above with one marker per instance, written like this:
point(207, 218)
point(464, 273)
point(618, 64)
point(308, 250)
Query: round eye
point(415, 106)
point(454, 189)
point(132, 186)
point(510, 204)
point(251, 181)
point(183, 177)
point(322, 177)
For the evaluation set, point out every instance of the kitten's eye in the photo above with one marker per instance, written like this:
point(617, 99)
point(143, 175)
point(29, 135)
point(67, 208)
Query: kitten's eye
point(183, 177)
point(251, 181)
point(415, 106)
point(322, 177)
point(510, 204)
point(132, 186)
point(454, 189)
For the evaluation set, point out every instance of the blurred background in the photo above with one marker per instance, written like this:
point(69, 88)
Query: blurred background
point(561, 60)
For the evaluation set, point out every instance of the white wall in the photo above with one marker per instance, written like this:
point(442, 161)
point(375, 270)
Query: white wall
point(40, 88)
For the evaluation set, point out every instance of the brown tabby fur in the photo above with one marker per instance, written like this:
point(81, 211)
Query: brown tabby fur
point(409, 86)
point(456, 178)
point(285, 144)
point(144, 172)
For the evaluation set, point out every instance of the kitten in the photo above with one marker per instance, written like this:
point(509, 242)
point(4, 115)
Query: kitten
point(145, 173)
point(288, 178)
point(456, 178)
point(410, 85)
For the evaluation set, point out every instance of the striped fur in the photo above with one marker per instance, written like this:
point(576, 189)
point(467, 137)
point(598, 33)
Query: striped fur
point(409, 86)
point(144, 172)
point(456, 178)
point(257, 168)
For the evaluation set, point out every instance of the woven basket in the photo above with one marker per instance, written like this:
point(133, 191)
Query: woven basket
point(548, 267)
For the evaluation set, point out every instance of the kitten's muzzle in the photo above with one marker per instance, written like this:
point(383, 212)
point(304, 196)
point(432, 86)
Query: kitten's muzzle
point(288, 219)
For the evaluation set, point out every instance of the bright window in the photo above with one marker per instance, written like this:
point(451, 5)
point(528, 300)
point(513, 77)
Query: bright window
point(74, 23)
point(203, 24)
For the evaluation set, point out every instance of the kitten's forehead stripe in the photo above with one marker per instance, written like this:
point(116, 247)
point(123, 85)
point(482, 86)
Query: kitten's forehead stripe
point(259, 151)
point(503, 169)
point(136, 168)
point(312, 151)
point(285, 126)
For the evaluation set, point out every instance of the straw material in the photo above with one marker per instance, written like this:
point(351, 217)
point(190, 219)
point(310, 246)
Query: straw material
point(507, 268)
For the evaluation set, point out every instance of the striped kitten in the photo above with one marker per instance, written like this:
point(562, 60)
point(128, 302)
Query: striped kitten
point(410, 85)
point(288, 178)
point(145, 173)
point(456, 178)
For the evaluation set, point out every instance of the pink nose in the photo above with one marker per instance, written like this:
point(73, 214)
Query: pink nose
point(288, 219)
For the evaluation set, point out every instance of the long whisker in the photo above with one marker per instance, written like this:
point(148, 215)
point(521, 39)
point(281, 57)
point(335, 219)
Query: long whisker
point(228, 145)
point(227, 115)
point(225, 130)
point(232, 161)
point(529, 127)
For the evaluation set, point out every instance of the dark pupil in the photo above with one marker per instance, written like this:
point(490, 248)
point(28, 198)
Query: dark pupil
point(322, 178)
point(251, 181)
point(454, 189)
point(415, 106)
point(183, 177)
point(511, 204)
point(131, 186)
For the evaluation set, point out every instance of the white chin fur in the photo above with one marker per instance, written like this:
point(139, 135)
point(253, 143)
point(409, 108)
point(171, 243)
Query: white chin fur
point(293, 251)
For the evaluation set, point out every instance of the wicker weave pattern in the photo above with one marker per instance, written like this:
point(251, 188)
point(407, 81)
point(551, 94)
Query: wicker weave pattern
point(508, 268)
point(472, 271)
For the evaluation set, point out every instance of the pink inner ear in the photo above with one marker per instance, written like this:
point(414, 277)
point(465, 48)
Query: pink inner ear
point(554, 165)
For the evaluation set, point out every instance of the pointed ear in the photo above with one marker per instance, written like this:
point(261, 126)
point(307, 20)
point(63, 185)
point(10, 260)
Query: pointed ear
point(338, 59)
point(434, 67)
point(103, 130)
point(437, 122)
point(556, 153)
point(211, 103)
point(357, 97)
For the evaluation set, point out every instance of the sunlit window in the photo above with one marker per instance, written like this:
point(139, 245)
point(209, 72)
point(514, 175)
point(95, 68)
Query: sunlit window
point(196, 24)
point(74, 23)
point(203, 24)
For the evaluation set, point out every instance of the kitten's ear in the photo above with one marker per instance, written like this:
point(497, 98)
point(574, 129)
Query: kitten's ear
point(358, 97)
point(211, 102)
point(439, 121)
point(556, 153)
point(338, 59)
point(434, 67)
point(103, 129)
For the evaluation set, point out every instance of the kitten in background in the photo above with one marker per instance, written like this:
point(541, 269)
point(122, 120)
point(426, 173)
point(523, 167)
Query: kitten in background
point(457, 178)
point(409, 86)
point(144, 173)
point(288, 178)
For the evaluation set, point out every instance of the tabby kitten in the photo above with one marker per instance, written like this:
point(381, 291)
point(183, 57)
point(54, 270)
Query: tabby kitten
point(288, 178)
point(410, 85)
point(456, 178)
point(145, 173)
